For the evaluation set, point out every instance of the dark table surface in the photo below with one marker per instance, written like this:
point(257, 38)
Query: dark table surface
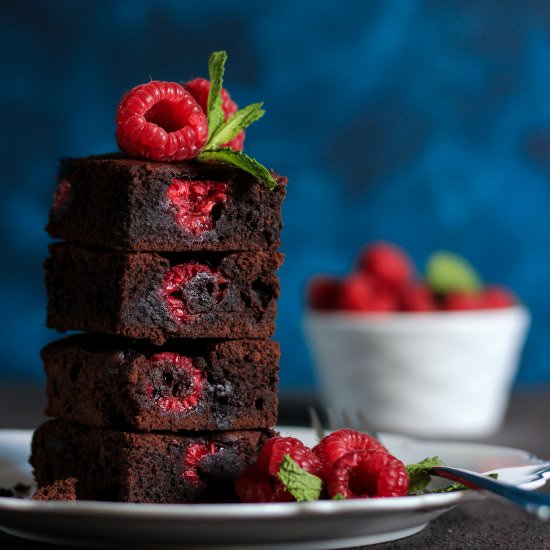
point(482, 525)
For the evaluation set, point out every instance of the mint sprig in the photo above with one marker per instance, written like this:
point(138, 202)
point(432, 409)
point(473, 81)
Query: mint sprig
point(216, 68)
point(302, 485)
point(235, 124)
point(226, 155)
point(447, 272)
point(419, 474)
point(420, 477)
point(221, 132)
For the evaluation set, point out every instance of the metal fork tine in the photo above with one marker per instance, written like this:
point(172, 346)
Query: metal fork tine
point(348, 422)
point(365, 427)
point(316, 423)
point(332, 420)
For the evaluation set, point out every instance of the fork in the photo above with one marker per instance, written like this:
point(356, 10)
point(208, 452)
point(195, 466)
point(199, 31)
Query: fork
point(535, 503)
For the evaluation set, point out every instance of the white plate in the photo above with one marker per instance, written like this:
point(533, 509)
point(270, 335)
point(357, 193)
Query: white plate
point(315, 525)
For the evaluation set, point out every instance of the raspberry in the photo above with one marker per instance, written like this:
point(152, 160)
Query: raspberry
point(192, 458)
point(192, 288)
point(275, 449)
point(62, 194)
point(172, 395)
point(417, 297)
point(196, 203)
point(364, 474)
point(260, 482)
point(199, 88)
point(255, 486)
point(461, 301)
point(386, 262)
point(497, 297)
point(359, 292)
point(323, 293)
point(160, 121)
point(335, 445)
point(356, 293)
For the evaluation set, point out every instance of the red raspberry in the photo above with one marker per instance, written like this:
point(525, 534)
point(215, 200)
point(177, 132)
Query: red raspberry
point(199, 88)
point(192, 458)
point(275, 449)
point(192, 288)
point(497, 297)
point(62, 194)
point(337, 444)
point(160, 121)
point(364, 474)
point(417, 297)
point(322, 293)
point(255, 486)
point(387, 263)
point(195, 203)
point(174, 401)
point(356, 293)
point(260, 482)
point(359, 292)
point(258, 486)
point(461, 301)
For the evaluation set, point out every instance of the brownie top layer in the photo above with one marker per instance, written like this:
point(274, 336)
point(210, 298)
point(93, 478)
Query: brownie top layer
point(115, 202)
point(191, 169)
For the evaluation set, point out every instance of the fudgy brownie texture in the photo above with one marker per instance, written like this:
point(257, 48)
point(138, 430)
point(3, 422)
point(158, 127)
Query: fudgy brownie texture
point(157, 297)
point(185, 385)
point(60, 489)
point(127, 204)
point(144, 467)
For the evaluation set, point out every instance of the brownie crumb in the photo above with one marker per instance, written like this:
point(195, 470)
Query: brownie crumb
point(6, 492)
point(60, 489)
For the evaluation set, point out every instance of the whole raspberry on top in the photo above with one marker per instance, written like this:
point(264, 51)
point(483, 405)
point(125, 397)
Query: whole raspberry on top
point(199, 88)
point(161, 121)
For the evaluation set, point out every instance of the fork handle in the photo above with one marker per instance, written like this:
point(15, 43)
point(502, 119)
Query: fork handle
point(534, 502)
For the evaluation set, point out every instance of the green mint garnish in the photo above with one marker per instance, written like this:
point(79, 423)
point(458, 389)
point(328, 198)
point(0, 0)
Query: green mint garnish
point(237, 122)
point(302, 485)
point(419, 474)
point(448, 272)
point(242, 161)
point(338, 496)
point(221, 132)
point(420, 477)
point(216, 68)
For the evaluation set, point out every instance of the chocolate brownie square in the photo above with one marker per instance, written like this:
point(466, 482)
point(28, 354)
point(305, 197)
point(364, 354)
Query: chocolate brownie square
point(143, 467)
point(185, 385)
point(128, 204)
point(157, 297)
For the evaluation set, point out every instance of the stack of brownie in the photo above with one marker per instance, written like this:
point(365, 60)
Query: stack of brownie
point(169, 271)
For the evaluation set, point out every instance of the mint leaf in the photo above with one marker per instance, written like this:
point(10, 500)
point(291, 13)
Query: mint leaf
point(216, 67)
point(302, 485)
point(419, 474)
point(240, 160)
point(338, 496)
point(447, 272)
point(235, 124)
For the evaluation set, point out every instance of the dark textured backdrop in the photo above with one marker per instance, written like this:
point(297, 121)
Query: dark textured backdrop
point(422, 122)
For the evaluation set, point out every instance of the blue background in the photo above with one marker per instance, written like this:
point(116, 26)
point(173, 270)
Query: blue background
point(426, 123)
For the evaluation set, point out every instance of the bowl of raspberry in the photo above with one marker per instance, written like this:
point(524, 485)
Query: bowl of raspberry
point(434, 356)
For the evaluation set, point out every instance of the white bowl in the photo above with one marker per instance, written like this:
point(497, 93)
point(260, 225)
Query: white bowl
point(428, 374)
